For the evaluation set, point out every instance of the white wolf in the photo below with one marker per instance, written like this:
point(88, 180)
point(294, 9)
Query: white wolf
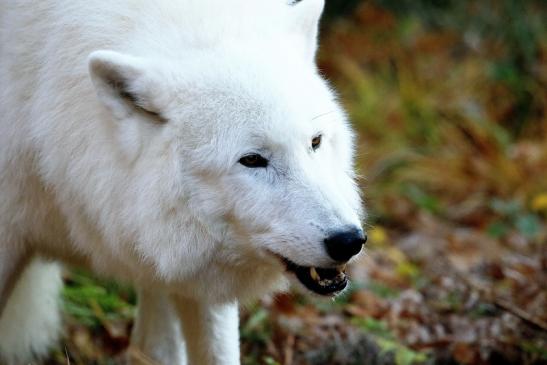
point(189, 147)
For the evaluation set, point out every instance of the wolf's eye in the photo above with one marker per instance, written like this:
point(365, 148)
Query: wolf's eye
point(253, 161)
point(316, 142)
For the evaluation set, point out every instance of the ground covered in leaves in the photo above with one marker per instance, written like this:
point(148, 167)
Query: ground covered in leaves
point(449, 100)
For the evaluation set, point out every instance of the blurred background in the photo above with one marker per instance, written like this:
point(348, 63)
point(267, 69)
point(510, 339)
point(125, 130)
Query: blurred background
point(449, 100)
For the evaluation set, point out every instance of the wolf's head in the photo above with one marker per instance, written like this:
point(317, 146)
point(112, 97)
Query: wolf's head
point(242, 154)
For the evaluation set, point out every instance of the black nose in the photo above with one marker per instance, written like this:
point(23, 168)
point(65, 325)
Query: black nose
point(343, 245)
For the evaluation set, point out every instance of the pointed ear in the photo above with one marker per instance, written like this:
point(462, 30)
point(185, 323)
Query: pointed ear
point(126, 85)
point(305, 23)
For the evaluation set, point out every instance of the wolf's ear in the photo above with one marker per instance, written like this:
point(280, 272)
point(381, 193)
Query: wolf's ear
point(305, 23)
point(126, 85)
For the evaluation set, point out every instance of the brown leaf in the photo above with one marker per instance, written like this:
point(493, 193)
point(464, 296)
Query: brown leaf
point(464, 353)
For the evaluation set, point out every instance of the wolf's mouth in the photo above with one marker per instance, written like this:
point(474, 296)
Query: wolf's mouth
point(322, 281)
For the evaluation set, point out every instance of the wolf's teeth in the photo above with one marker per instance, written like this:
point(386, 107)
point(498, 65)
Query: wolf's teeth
point(314, 275)
point(325, 282)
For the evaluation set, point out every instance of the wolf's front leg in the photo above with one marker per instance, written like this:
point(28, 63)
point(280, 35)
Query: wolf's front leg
point(211, 332)
point(156, 336)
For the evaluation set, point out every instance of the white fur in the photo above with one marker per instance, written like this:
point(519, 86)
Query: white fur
point(121, 127)
point(156, 332)
point(31, 320)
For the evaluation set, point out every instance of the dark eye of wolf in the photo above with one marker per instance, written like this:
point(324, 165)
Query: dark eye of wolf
point(316, 142)
point(253, 161)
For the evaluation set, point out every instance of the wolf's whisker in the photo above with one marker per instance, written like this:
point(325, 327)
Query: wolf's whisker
point(322, 115)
